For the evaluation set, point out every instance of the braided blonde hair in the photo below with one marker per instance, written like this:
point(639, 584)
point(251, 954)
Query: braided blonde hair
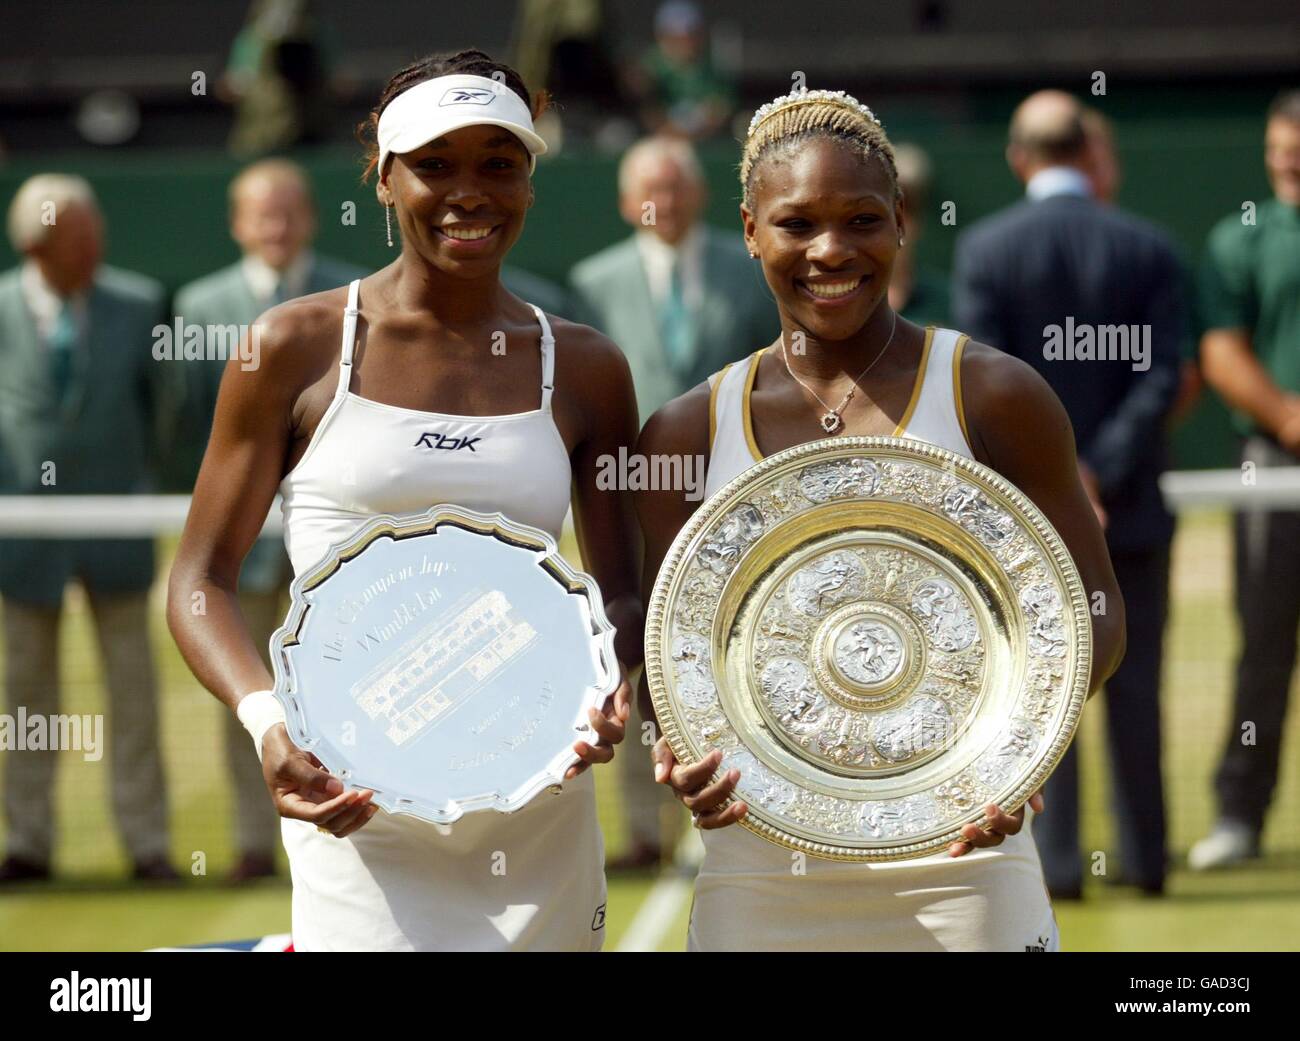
point(795, 117)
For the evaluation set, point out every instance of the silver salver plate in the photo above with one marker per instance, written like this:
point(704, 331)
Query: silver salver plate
point(882, 636)
point(444, 660)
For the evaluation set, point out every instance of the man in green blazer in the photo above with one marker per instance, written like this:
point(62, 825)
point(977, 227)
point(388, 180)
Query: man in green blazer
point(273, 220)
point(81, 410)
point(682, 299)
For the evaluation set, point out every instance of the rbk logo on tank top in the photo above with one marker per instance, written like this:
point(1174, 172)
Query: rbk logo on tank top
point(433, 439)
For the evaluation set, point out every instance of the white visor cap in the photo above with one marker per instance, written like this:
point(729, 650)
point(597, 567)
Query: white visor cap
point(438, 106)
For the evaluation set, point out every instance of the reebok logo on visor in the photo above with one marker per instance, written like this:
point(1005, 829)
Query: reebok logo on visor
point(466, 96)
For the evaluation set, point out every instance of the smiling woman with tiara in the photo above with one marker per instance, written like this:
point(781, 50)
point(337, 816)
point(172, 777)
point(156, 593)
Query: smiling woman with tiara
point(821, 214)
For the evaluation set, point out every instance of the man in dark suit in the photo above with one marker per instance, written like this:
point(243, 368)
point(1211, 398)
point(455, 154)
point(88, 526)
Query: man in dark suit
point(1093, 299)
point(81, 407)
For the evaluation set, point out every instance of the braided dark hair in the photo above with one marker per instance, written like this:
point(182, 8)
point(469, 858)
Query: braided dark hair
point(789, 121)
point(431, 66)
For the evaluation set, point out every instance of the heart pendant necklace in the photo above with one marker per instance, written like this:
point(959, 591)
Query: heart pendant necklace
point(831, 419)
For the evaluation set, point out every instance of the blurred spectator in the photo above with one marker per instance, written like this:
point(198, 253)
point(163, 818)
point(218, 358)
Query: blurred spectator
point(80, 396)
point(1105, 174)
point(1250, 352)
point(682, 300)
point(273, 219)
point(916, 292)
point(677, 87)
point(279, 78)
point(561, 45)
point(1103, 169)
point(1060, 261)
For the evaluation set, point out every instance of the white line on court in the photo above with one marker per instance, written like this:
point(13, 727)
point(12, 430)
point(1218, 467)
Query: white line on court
point(670, 893)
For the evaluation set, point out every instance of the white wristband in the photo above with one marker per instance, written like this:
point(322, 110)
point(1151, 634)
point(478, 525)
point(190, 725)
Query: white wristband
point(259, 712)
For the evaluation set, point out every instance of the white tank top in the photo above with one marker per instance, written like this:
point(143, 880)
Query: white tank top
point(754, 895)
point(531, 880)
point(934, 413)
point(366, 458)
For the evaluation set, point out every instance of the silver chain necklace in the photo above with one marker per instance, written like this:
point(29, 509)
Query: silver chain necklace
point(830, 419)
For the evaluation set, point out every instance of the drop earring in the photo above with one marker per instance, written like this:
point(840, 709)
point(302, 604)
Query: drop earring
point(388, 223)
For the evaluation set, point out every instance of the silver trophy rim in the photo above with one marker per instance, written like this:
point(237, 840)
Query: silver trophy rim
point(657, 623)
point(547, 556)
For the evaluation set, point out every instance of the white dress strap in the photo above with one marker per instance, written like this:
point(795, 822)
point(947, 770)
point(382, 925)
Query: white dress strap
point(731, 451)
point(938, 417)
point(548, 358)
point(349, 338)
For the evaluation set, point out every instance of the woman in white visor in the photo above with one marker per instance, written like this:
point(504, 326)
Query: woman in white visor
point(446, 388)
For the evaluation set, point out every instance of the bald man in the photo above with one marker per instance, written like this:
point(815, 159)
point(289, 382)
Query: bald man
point(1104, 171)
point(1093, 298)
point(83, 410)
point(682, 299)
point(273, 220)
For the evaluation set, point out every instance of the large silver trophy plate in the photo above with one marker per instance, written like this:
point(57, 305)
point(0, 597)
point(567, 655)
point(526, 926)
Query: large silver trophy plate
point(880, 635)
point(446, 661)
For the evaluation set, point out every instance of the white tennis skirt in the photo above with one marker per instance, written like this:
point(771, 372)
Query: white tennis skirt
point(754, 895)
point(530, 880)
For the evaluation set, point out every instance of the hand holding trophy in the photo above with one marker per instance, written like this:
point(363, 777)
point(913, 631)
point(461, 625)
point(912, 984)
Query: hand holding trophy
point(449, 662)
point(864, 648)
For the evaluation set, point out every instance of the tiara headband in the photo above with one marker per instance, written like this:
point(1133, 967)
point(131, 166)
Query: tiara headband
point(811, 97)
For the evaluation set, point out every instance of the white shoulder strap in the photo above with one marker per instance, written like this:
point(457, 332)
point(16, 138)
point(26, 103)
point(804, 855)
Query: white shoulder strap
point(349, 338)
point(350, 324)
point(728, 406)
point(548, 358)
point(729, 449)
point(937, 417)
